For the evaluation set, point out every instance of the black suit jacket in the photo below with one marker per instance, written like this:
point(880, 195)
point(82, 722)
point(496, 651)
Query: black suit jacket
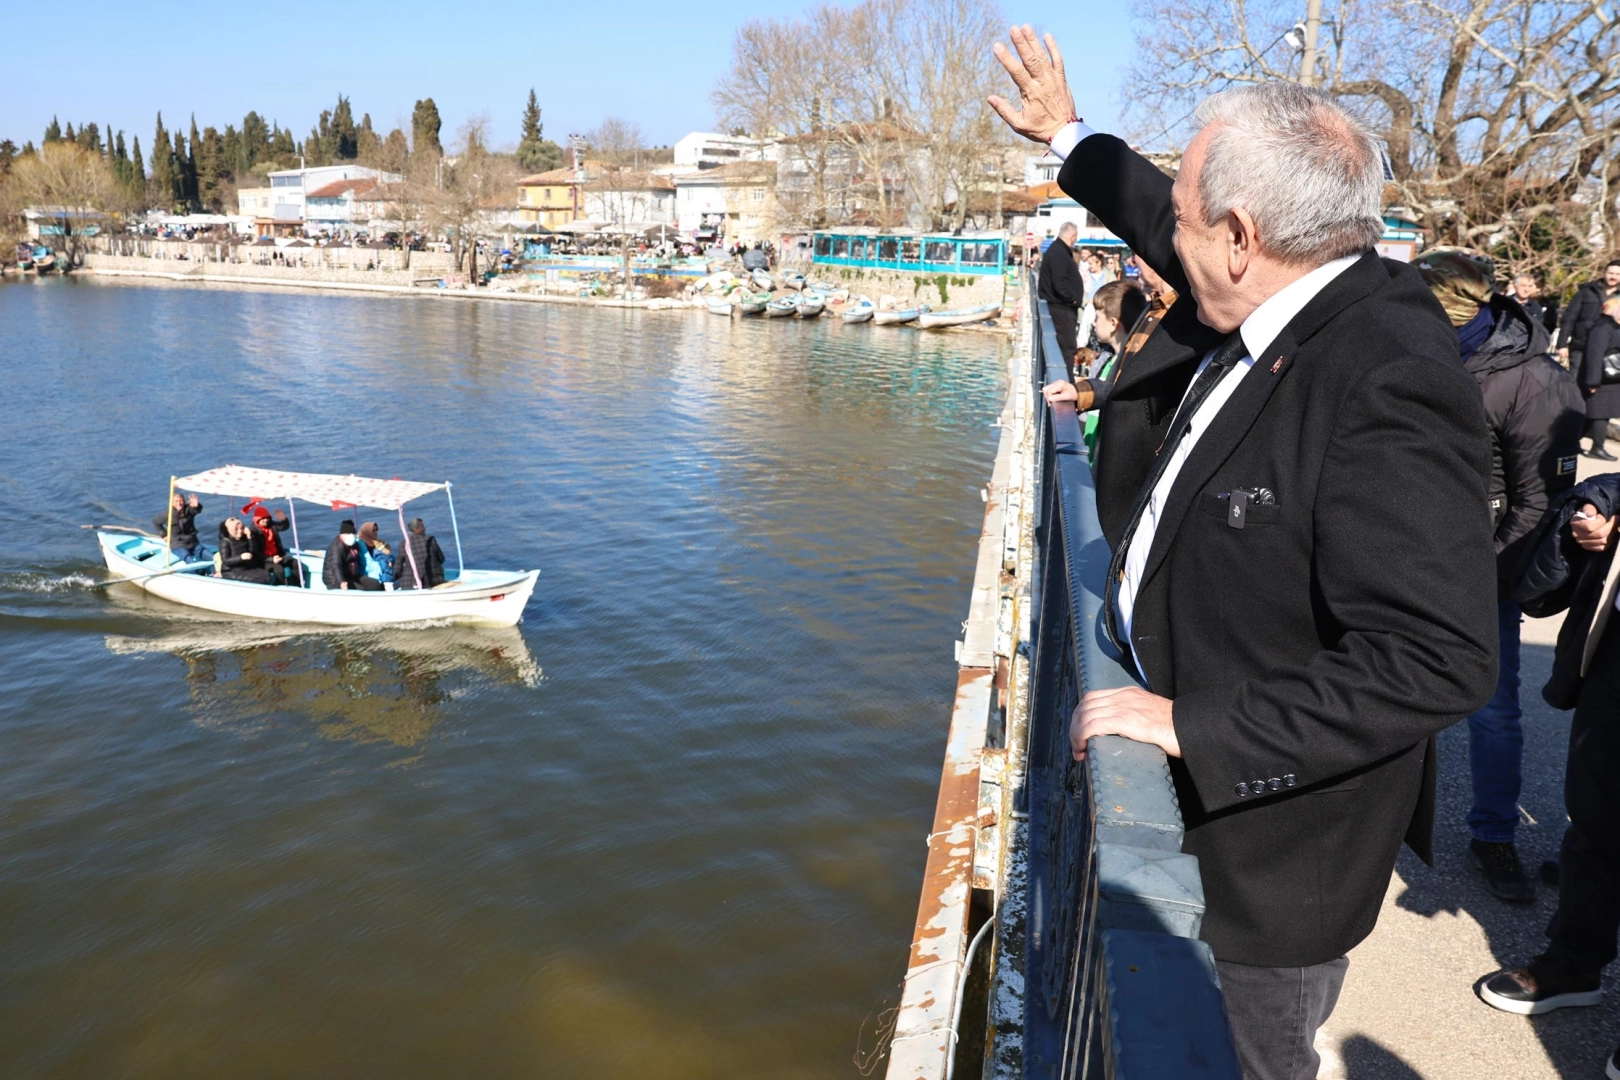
point(1313, 654)
point(1059, 281)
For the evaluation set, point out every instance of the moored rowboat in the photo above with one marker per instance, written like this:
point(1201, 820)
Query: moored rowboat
point(960, 317)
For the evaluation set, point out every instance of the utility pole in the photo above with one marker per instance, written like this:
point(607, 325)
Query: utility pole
point(1313, 25)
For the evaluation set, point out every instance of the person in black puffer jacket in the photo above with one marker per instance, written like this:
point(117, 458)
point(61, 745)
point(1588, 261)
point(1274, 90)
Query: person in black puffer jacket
point(239, 557)
point(1574, 569)
point(1536, 413)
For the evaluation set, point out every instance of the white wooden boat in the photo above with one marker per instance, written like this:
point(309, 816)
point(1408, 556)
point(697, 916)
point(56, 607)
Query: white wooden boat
point(474, 597)
point(860, 310)
point(752, 303)
point(720, 306)
point(781, 307)
point(895, 316)
point(811, 305)
point(762, 279)
point(959, 317)
point(791, 279)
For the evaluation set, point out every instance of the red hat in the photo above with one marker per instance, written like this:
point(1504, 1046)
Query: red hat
point(260, 511)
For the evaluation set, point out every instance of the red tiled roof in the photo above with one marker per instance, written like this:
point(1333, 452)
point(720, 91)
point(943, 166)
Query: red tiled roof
point(338, 187)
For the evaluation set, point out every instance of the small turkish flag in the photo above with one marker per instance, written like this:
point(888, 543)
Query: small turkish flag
point(248, 509)
point(338, 505)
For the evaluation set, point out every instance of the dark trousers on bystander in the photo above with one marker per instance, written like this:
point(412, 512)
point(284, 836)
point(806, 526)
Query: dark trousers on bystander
point(1066, 325)
point(1275, 1014)
point(1584, 928)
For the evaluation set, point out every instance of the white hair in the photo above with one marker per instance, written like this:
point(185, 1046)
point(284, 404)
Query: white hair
point(1311, 174)
point(1068, 228)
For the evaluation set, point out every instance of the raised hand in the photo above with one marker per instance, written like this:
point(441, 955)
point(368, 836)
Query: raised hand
point(1045, 103)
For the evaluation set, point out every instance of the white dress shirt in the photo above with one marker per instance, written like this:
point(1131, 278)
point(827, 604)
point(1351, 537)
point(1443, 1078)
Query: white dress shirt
point(1259, 330)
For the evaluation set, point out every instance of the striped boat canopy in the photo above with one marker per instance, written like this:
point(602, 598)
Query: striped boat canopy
point(335, 491)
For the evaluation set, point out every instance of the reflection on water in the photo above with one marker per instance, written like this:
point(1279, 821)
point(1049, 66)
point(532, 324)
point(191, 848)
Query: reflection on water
point(386, 684)
point(690, 851)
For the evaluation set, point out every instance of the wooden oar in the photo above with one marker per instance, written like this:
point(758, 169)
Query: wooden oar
point(177, 568)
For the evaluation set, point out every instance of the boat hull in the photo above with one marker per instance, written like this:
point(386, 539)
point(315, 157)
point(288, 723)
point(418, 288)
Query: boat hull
point(894, 318)
point(477, 598)
point(930, 319)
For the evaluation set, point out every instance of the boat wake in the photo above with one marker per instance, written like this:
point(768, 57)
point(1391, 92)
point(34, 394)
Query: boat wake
point(26, 582)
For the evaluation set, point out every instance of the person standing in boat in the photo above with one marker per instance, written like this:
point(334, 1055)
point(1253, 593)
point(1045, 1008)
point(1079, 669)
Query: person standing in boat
point(345, 563)
point(420, 562)
point(182, 533)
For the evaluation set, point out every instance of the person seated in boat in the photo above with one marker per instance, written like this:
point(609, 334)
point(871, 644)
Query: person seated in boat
point(420, 562)
point(378, 557)
point(182, 534)
point(238, 561)
point(273, 552)
point(345, 565)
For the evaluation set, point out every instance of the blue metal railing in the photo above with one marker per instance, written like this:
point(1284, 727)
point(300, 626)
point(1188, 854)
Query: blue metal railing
point(1117, 986)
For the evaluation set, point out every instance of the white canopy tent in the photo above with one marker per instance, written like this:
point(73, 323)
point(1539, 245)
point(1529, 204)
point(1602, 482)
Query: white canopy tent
point(338, 492)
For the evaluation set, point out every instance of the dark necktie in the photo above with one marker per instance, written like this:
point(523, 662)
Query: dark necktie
point(1227, 354)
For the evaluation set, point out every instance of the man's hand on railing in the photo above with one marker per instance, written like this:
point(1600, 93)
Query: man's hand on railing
point(1059, 391)
point(1044, 98)
point(1129, 711)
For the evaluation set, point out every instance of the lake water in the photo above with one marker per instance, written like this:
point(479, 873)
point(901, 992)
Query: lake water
point(672, 826)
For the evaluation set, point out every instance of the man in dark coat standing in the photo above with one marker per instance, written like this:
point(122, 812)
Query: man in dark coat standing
point(1536, 414)
point(1292, 478)
point(1061, 286)
point(1584, 311)
point(419, 564)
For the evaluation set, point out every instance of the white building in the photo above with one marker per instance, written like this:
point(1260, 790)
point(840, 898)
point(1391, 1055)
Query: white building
point(733, 203)
point(291, 188)
point(707, 149)
point(631, 199)
point(1042, 168)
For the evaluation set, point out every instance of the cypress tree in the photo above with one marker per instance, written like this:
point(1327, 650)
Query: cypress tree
point(192, 198)
point(425, 125)
point(53, 132)
point(163, 178)
point(137, 172)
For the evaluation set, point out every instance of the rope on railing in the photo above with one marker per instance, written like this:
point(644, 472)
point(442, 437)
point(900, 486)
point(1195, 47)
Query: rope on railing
point(1117, 986)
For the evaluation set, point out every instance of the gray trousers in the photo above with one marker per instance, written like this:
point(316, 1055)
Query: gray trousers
point(1275, 1013)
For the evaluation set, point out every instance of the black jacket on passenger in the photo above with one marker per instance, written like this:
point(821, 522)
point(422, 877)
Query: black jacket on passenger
point(1347, 622)
point(343, 564)
point(233, 566)
point(1583, 313)
point(1536, 414)
point(1059, 280)
point(1563, 576)
point(185, 525)
point(429, 562)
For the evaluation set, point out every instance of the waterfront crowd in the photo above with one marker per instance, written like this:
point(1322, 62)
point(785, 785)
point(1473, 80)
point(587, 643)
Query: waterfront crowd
point(1382, 458)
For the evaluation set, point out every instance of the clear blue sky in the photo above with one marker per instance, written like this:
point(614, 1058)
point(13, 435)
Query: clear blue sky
point(651, 62)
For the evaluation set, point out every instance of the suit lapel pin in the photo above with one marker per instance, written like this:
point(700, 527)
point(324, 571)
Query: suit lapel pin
point(1277, 366)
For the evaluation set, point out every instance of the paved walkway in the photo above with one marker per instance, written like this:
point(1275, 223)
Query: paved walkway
point(1409, 1010)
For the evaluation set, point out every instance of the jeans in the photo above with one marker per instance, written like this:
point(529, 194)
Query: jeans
point(1275, 1014)
point(1583, 929)
point(1496, 742)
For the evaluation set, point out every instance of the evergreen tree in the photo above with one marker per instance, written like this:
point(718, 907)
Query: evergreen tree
point(163, 178)
point(107, 142)
point(366, 142)
point(282, 147)
point(90, 138)
point(213, 170)
point(68, 135)
point(137, 173)
point(8, 154)
point(535, 152)
point(179, 192)
point(120, 159)
point(190, 167)
point(232, 141)
point(343, 139)
point(53, 132)
point(425, 125)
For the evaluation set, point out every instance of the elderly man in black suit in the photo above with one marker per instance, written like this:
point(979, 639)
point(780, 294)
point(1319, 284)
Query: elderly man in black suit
point(1292, 477)
point(1061, 286)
